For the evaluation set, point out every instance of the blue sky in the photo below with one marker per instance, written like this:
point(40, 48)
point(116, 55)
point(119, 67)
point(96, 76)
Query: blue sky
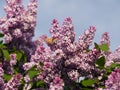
point(103, 14)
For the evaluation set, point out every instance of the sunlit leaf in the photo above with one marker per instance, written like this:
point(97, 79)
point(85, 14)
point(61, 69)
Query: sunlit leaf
point(6, 54)
point(88, 82)
point(104, 47)
point(7, 77)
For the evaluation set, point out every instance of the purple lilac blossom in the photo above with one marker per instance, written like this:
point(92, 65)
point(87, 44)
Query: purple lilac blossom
point(13, 83)
point(113, 82)
point(19, 24)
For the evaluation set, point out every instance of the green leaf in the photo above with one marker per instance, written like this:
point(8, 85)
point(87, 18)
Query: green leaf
point(1, 42)
point(25, 58)
point(104, 47)
point(7, 77)
point(97, 46)
point(40, 83)
point(88, 82)
point(2, 45)
point(86, 89)
point(19, 55)
point(21, 85)
point(1, 35)
point(41, 64)
point(100, 62)
point(66, 88)
point(32, 72)
point(112, 67)
point(6, 54)
point(16, 70)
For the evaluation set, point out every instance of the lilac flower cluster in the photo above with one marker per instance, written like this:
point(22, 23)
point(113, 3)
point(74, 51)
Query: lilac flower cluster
point(56, 84)
point(105, 39)
point(113, 82)
point(63, 55)
point(111, 57)
point(19, 23)
point(13, 83)
point(86, 40)
point(1, 76)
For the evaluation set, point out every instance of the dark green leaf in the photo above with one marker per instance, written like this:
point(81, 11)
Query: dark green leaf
point(16, 70)
point(100, 62)
point(88, 82)
point(40, 83)
point(7, 77)
point(86, 89)
point(41, 64)
point(1, 35)
point(1, 42)
point(97, 46)
point(21, 85)
point(67, 88)
point(25, 58)
point(6, 54)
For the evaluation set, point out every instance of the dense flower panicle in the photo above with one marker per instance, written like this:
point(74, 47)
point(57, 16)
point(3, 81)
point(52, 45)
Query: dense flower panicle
point(1, 76)
point(17, 33)
point(83, 62)
point(57, 84)
point(28, 65)
point(113, 82)
point(117, 55)
point(19, 24)
point(13, 8)
point(105, 39)
point(58, 54)
point(27, 87)
point(1, 70)
point(14, 82)
point(39, 41)
point(13, 60)
point(64, 54)
point(11, 2)
point(73, 75)
point(112, 57)
point(65, 33)
point(85, 40)
point(7, 38)
point(27, 78)
point(43, 55)
point(55, 29)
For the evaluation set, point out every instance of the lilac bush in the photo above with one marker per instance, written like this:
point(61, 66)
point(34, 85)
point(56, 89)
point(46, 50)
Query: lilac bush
point(59, 62)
